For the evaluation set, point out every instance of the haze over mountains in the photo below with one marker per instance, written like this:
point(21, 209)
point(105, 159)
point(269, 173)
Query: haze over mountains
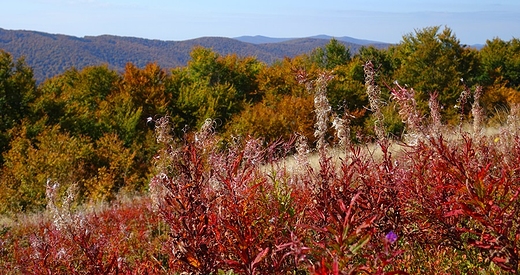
point(259, 39)
point(52, 54)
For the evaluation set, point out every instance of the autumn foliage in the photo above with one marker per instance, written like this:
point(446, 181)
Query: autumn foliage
point(230, 166)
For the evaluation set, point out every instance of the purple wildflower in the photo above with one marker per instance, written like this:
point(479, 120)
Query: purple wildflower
point(391, 237)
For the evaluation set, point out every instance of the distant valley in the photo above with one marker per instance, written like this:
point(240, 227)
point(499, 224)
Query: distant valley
point(52, 54)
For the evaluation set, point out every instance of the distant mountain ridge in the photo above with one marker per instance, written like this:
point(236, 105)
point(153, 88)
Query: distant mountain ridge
point(259, 39)
point(52, 54)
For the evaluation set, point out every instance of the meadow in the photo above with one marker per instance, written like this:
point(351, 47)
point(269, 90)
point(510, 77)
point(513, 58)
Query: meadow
point(443, 199)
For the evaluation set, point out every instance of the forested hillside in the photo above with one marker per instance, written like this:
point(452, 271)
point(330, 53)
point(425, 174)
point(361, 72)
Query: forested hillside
point(94, 126)
point(51, 54)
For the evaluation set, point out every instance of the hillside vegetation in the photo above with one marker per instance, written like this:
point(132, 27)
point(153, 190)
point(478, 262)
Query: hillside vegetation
point(51, 54)
point(199, 150)
point(94, 127)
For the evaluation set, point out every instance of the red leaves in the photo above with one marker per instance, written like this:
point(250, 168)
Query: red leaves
point(479, 199)
point(224, 210)
point(260, 257)
point(109, 241)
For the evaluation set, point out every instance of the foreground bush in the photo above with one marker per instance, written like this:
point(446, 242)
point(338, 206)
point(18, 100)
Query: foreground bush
point(254, 209)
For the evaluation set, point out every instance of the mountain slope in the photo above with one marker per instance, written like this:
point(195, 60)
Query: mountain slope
point(52, 54)
point(258, 39)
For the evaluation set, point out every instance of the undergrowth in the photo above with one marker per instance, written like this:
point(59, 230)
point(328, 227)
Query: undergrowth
point(431, 203)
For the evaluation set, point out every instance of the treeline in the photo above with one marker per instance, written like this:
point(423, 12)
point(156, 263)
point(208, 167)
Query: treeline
point(94, 127)
point(51, 54)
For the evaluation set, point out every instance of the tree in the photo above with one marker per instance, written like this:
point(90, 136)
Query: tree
point(280, 78)
point(99, 104)
point(286, 107)
point(212, 86)
point(500, 74)
point(72, 99)
point(275, 117)
point(331, 56)
point(346, 91)
point(431, 60)
point(52, 156)
point(17, 91)
point(500, 62)
point(381, 58)
point(147, 88)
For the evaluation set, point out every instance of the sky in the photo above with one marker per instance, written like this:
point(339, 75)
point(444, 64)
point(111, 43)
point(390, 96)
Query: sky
point(472, 21)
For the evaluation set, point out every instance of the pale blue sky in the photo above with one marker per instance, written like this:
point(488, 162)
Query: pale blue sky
point(472, 21)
